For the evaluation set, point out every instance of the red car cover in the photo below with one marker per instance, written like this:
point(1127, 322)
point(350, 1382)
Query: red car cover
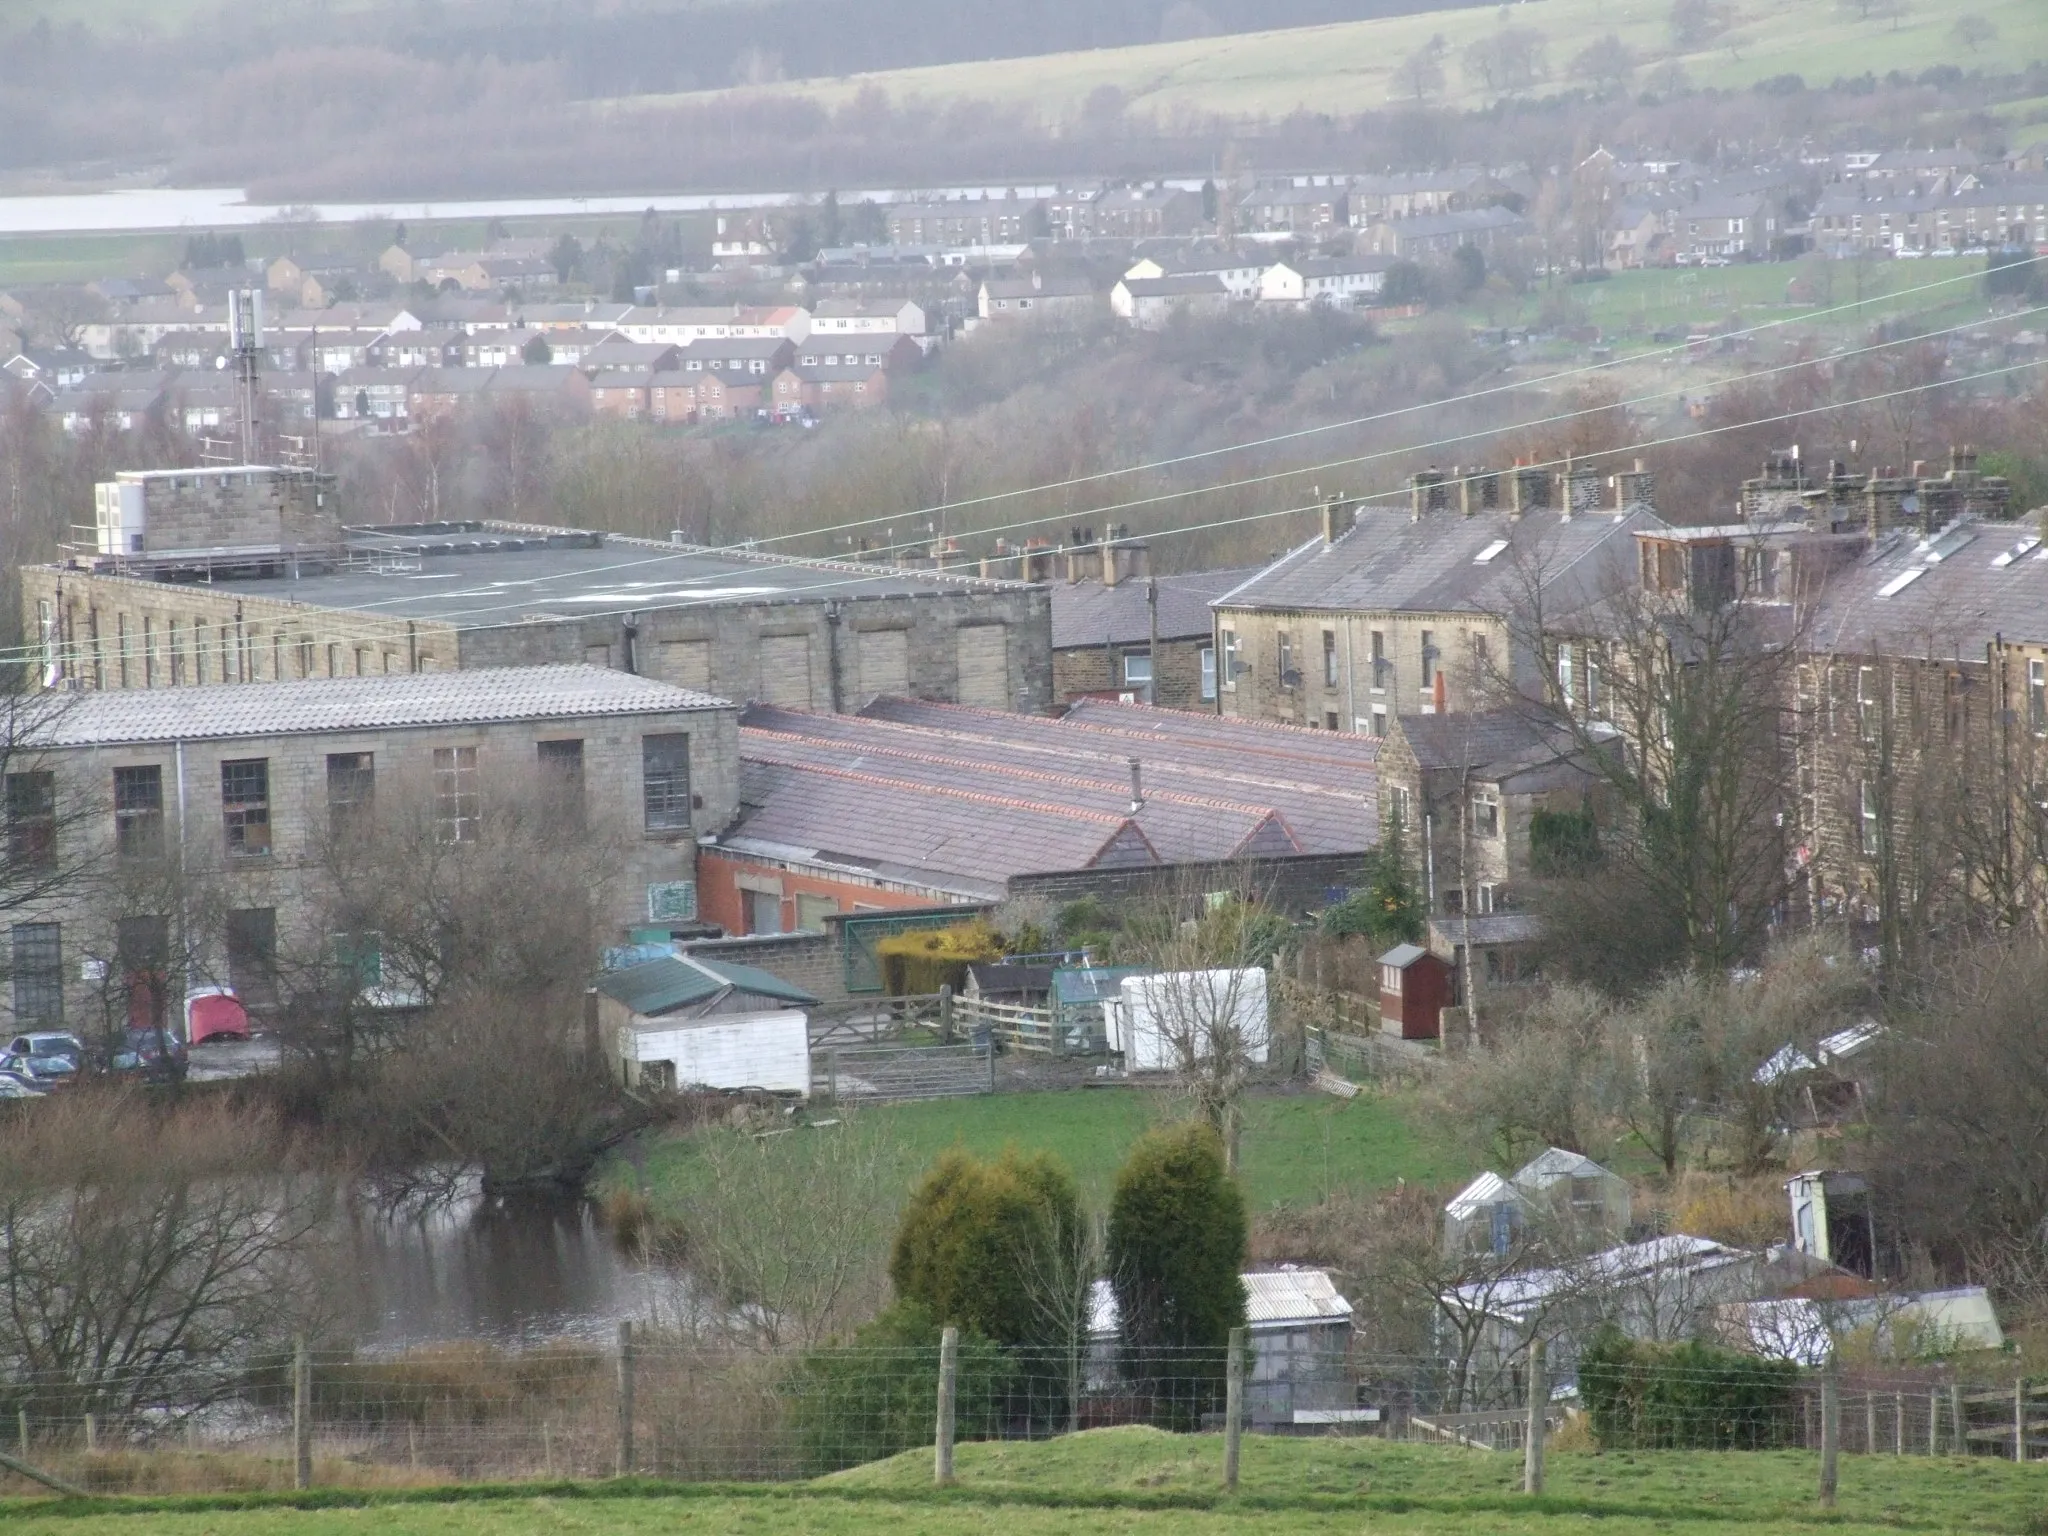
point(211, 1015)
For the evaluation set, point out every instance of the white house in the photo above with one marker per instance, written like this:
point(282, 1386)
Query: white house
point(834, 318)
point(1329, 280)
point(1239, 277)
point(1149, 302)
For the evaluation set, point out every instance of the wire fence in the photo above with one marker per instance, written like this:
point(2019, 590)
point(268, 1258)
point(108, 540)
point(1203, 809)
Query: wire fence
point(662, 1408)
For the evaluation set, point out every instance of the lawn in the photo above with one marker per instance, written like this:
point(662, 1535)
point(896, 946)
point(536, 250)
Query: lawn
point(1351, 66)
point(1296, 1148)
point(1148, 1483)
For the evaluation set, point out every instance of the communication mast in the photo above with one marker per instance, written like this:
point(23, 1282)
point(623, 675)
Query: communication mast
point(245, 347)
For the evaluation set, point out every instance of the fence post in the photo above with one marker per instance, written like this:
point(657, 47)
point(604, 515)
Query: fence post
point(1960, 1445)
point(991, 1061)
point(1830, 1433)
point(1233, 1408)
point(2019, 1420)
point(946, 1013)
point(832, 1076)
point(949, 1383)
point(302, 1414)
point(547, 1449)
point(1934, 1422)
point(626, 1399)
point(1539, 1401)
point(21, 1432)
point(92, 1434)
point(1869, 1423)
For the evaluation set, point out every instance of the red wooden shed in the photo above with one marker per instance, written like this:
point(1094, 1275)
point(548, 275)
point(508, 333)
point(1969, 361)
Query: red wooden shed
point(1415, 988)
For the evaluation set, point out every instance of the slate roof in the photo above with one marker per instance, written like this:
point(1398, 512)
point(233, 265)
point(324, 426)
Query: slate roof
point(1178, 285)
point(1484, 740)
point(1088, 613)
point(1962, 599)
point(485, 695)
point(1390, 562)
point(662, 986)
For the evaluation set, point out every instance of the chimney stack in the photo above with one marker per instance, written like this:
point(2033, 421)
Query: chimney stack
point(1137, 786)
point(1037, 560)
point(1578, 488)
point(1635, 487)
point(1123, 560)
point(1478, 491)
point(1338, 515)
point(1426, 492)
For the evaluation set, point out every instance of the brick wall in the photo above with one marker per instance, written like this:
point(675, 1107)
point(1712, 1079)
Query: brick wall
point(1296, 884)
point(1098, 669)
point(807, 960)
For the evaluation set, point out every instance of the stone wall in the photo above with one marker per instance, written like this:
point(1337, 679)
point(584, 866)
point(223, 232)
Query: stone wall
point(1331, 657)
point(1294, 884)
point(1098, 669)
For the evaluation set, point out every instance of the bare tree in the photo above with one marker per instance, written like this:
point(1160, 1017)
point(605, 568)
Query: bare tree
point(1605, 64)
point(1508, 59)
point(145, 1247)
point(1973, 31)
point(786, 1234)
point(1421, 73)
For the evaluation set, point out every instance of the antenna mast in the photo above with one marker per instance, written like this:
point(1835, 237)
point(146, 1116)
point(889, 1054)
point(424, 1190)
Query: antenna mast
point(245, 341)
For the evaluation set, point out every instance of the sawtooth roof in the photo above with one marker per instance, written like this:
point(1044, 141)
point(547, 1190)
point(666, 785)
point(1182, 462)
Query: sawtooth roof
point(1392, 562)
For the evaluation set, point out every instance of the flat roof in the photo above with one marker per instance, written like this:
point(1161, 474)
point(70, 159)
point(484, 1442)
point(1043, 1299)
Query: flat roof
point(484, 696)
point(480, 574)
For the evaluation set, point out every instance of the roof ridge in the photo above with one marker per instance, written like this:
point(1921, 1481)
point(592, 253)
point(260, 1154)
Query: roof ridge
point(1181, 796)
point(855, 776)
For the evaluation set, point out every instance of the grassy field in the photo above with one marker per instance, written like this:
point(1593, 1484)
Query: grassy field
point(1147, 1483)
point(1351, 66)
point(1296, 1146)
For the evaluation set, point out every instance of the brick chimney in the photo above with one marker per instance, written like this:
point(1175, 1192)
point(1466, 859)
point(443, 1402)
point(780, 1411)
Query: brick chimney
point(1578, 488)
point(1338, 516)
point(1037, 559)
point(1530, 485)
point(1478, 491)
point(1124, 559)
point(1427, 492)
point(1636, 487)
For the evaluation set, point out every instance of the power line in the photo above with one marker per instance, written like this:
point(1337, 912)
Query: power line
point(341, 635)
point(1359, 421)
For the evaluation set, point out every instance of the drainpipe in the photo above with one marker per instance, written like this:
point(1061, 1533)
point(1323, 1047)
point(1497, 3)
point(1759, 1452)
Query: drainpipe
point(629, 644)
point(1350, 681)
point(1152, 643)
point(184, 917)
point(833, 617)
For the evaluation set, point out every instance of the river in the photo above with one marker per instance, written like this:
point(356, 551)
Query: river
point(513, 1272)
point(137, 209)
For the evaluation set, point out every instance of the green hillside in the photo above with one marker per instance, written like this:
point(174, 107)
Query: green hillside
point(1355, 65)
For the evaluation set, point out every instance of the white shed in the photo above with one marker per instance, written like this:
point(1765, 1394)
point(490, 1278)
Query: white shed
point(680, 1022)
point(1155, 1015)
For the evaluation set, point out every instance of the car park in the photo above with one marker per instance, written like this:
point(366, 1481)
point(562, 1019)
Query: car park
point(44, 1059)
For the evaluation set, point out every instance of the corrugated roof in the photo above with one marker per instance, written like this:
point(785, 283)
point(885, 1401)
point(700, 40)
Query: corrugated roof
point(485, 695)
point(661, 986)
point(1272, 1299)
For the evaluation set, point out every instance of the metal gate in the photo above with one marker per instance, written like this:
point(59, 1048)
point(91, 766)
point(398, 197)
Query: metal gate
point(875, 1074)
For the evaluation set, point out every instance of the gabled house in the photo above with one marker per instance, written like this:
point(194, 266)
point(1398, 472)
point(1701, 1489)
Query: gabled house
point(1310, 211)
point(1340, 280)
point(1038, 297)
point(1425, 235)
point(1150, 302)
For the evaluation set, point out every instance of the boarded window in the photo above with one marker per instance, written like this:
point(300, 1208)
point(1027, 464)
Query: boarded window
point(786, 670)
point(561, 778)
point(245, 806)
point(884, 662)
point(687, 663)
point(983, 653)
point(351, 793)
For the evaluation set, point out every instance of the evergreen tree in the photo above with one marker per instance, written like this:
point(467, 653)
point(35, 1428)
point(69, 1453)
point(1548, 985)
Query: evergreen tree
point(1387, 909)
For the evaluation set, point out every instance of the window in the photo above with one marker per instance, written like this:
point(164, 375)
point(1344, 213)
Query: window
point(1564, 675)
point(1485, 813)
point(252, 954)
point(1329, 658)
point(1288, 676)
point(139, 812)
point(2037, 697)
point(1329, 720)
point(1137, 669)
point(764, 911)
point(1428, 661)
point(38, 974)
point(351, 793)
point(811, 912)
point(1400, 807)
point(1594, 701)
point(665, 784)
point(1481, 656)
point(1866, 816)
point(1485, 898)
point(561, 776)
point(1232, 664)
point(245, 806)
point(1382, 669)
point(1379, 720)
point(458, 799)
point(32, 821)
point(1208, 674)
point(1866, 702)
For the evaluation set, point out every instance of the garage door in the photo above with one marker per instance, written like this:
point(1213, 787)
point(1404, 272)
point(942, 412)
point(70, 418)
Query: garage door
point(786, 671)
point(983, 651)
point(884, 662)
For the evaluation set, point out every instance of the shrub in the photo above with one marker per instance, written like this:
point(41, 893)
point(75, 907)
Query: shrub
point(978, 1240)
point(917, 964)
point(880, 1397)
point(1689, 1396)
point(1176, 1245)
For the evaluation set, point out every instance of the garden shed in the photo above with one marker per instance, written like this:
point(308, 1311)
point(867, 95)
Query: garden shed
point(682, 1022)
point(1415, 988)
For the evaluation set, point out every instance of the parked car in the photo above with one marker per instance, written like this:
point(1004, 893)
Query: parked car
point(43, 1059)
point(152, 1055)
point(15, 1086)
